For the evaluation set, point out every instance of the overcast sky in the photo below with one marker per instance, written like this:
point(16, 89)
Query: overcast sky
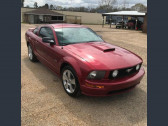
point(79, 3)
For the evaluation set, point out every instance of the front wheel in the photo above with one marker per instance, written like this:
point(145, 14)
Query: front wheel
point(70, 81)
point(31, 55)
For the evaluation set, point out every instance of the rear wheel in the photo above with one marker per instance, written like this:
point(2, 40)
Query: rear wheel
point(70, 81)
point(31, 55)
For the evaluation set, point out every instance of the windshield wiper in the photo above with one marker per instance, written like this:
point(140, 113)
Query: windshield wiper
point(64, 44)
point(91, 41)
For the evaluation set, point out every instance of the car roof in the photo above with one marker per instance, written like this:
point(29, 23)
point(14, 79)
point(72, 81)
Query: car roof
point(64, 25)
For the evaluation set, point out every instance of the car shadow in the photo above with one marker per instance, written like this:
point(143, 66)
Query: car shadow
point(128, 107)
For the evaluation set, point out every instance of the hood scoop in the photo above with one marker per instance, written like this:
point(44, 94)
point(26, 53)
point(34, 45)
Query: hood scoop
point(109, 50)
point(103, 47)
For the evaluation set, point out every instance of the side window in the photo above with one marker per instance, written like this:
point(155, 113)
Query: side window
point(35, 31)
point(46, 32)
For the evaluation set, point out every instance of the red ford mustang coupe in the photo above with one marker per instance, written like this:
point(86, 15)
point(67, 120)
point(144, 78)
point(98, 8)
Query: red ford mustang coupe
point(85, 63)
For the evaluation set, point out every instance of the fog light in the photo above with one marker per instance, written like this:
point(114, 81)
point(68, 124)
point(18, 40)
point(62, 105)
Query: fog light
point(137, 67)
point(115, 73)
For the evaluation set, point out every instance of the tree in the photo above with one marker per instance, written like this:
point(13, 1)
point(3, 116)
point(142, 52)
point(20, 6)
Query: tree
point(35, 5)
point(106, 5)
point(71, 9)
point(54, 7)
point(83, 9)
point(59, 7)
point(51, 7)
point(46, 6)
point(139, 7)
point(89, 8)
point(22, 3)
point(125, 4)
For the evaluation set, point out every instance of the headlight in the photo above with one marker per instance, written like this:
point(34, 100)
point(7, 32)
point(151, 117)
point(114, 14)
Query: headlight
point(96, 75)
point(138, 67)
point(92, 75)
point(115, 73)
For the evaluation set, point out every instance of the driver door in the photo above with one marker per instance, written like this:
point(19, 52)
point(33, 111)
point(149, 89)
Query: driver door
point(45, 50)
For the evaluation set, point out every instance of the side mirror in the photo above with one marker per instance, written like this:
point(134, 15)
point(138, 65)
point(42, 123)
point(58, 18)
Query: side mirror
point(48, 40)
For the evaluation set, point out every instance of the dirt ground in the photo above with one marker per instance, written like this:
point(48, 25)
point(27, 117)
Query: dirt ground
point(45, 103)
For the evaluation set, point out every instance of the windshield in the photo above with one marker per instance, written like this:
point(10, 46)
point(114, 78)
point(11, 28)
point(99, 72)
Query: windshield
point(76, 35)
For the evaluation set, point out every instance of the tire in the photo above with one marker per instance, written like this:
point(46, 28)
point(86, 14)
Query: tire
point(70, 82)
point(31, 54)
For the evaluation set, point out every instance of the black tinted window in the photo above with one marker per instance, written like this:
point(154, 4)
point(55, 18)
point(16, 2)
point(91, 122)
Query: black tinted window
point(60, 18)
point(46, 32)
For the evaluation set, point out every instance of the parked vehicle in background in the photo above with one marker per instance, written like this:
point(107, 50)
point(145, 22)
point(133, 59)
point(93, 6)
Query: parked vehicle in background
point(113, 23)
point(83, 60)
point(131, 24)
point(121, 25)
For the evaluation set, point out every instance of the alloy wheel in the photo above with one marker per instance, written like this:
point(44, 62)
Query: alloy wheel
point(69, 81)
point(30, 52)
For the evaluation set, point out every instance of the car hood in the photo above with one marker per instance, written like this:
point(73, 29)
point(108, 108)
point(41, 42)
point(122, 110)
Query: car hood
point(102, 55)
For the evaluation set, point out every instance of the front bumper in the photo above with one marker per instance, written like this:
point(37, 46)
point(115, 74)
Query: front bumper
point(112, 86)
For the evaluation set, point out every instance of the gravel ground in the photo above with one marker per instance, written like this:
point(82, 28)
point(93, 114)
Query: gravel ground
point(45, 103)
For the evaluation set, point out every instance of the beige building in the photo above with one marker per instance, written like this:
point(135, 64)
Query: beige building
point(42, 15)
point(72, 17)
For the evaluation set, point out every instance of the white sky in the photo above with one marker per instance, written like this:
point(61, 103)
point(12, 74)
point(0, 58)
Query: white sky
point(79, 3)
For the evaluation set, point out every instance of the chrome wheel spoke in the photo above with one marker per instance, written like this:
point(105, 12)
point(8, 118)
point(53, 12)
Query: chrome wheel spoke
point(65, 85)
point(73, 81)
point(71, 88)
point(65, 77)
point(30, 53)
point(69, 75)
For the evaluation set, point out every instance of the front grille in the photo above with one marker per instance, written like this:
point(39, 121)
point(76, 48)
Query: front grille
point(124, 72)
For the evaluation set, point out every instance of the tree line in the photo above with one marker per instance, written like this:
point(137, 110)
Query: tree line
point(103, 7)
